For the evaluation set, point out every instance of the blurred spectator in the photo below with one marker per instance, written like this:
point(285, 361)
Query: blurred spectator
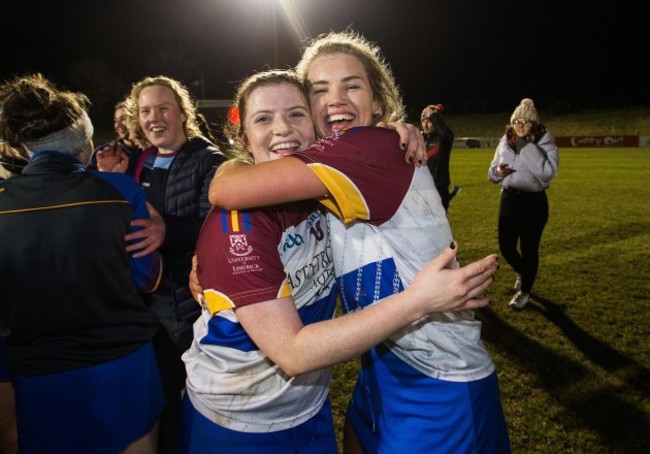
point(124, 150)
point(439, 140)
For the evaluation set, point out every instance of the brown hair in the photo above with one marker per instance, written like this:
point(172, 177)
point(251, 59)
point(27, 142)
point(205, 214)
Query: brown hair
point(233, 130)
point(32, 108)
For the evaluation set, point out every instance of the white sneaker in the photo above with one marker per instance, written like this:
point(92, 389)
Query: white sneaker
point(519, 300)
point(517, 285)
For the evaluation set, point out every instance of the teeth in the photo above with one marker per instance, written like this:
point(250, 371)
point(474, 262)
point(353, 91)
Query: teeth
point(158, 129)
point(339, 117)
point(285, 146)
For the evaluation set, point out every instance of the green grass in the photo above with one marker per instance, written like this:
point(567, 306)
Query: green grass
point(630, 121)
point(574, 365)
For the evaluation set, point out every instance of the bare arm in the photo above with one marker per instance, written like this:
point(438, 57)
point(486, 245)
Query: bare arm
point(238, 185)
point(277, 329)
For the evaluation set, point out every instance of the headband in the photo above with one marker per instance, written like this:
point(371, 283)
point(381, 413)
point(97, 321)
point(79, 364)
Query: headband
point(69, 140)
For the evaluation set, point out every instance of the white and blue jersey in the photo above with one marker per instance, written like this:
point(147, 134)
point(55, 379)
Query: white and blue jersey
point(247, 257)
point(382, 235)
point(432, 386)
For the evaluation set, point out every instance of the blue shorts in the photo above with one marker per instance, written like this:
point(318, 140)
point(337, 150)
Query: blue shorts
point(199, 435)
point(95, 409)
point(395, 408)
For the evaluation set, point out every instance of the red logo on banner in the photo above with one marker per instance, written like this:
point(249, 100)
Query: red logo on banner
point(597, 141)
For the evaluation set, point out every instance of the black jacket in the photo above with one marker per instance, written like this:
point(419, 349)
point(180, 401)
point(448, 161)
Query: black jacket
point(185, 207)
point(67, 301)
point(438, 163)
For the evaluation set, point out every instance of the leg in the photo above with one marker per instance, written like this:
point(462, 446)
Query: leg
point(8, 433)
point(172, 371)
point(509, 230)
point(531, 237)
point(147, 444)
point(444, 196)
point(350, 441)
point(171, 341)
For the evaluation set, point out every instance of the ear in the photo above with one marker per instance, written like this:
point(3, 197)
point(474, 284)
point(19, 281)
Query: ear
point(376, 108)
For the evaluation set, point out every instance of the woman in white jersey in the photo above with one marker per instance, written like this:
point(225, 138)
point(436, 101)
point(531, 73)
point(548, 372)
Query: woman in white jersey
point(257, 369)
point(431, 387)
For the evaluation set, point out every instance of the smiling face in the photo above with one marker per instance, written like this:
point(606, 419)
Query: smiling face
point(340, 93)
point(277, 122)
point(119, 123)
point(161, 118)
point(522, 127)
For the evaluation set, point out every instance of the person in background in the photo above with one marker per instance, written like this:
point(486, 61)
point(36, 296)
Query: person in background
point(439, 140)
point(175, 174)
point(113, 158)
point(127, 146)
point(431, 387)
point(78, 333)
point(524, 164)
point(11, 164)
point(272, 395)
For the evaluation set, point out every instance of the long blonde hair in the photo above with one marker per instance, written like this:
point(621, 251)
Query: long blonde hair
point(382, 83)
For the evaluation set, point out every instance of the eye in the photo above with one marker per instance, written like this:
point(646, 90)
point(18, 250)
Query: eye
point(297, 114)
point(261, 119)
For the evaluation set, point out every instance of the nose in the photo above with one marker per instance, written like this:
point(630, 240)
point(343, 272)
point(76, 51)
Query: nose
point(336, 97)
point(281, 127)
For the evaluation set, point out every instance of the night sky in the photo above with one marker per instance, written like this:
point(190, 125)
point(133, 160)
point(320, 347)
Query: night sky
point(473, 56)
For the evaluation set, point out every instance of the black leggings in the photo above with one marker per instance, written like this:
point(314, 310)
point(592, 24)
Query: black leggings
point(522, 218)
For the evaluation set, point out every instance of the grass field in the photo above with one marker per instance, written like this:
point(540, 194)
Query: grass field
point(574, 365)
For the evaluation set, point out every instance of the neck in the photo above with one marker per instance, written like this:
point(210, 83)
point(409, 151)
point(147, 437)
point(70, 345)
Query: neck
point(173, 148)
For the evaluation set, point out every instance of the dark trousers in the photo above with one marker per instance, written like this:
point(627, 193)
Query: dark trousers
point(444, 196)
point(522, 218)
point(171, 341)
